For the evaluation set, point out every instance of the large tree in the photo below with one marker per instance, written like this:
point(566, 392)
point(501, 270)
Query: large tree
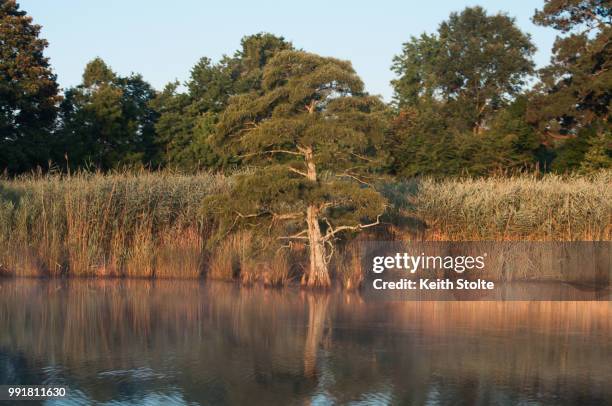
point(106, 121)
point(28, 91)
point(571, 104)
point(310, 136)
point(474, 65)
point(187, 118)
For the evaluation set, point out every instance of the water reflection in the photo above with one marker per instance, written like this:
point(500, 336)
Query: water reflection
point(161, 342)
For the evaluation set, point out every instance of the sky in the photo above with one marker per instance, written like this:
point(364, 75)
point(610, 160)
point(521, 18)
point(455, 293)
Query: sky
point(163, 39)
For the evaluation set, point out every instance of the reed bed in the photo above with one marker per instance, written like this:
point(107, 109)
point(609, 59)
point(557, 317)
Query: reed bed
point(138, 225)
point(550, 207)
point(150, 224)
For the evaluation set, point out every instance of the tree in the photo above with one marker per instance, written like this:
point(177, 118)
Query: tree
point(573, 97)
point(248, 62)
point(28, 91)
point(187, 119)
point(599, 154)
point(426, 145)
point(311, 137)
point(106, 121)
point(475, 64)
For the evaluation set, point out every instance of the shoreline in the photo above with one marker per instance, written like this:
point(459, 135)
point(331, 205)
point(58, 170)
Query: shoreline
point(151, 225)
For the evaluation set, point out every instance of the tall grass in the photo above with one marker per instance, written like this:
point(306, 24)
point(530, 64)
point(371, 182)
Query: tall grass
point(104, 225)
point(149, 224)
point(552, 207)
point(240, 257)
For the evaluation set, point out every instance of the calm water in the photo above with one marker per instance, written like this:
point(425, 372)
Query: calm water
point(143, 342)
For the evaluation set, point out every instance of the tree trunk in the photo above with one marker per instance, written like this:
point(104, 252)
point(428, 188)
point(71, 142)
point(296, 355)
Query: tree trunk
point(318, 274)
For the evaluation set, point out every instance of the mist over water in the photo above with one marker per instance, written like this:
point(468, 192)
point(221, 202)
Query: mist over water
point(188, 342)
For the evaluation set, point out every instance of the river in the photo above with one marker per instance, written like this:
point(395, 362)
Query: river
point(126, 342)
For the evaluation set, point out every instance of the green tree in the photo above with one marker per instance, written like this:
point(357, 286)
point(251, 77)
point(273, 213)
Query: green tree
point(248, 62)
point(571, 103)
point(311, 137)
point(475, 64)
point(599, 154)
point(425, 143)
point(458, 98)
point(28, 91)
point(107, 121)
point(187, 119)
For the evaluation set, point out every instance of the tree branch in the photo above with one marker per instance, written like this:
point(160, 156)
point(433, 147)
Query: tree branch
point(349, 175)
point(298, 236)
point(365, 158)
point(298, 172)
point(332, 249)
point(287, 216)
point(273, 151)
point(560, 136)
point(244, 216)
point(332, 232)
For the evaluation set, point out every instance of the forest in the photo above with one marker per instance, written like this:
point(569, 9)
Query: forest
point(467, 100)
point(265, 164)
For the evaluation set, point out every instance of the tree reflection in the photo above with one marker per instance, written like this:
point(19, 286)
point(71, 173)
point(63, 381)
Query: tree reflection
point(182, 342)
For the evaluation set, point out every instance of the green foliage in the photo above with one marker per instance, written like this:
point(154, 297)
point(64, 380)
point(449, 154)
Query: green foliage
point(474, 64)
point(460, 104)
point(458, 92)
point(182, 130)
point(187, 119)
point(312, 138)
point(599, 154)
point(106, 121)
point(574, 92)
point(28, 92)
point(426, 143)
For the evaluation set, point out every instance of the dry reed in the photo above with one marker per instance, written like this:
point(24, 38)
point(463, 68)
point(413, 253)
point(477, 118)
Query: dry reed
point(149, 224)
point(552, 208)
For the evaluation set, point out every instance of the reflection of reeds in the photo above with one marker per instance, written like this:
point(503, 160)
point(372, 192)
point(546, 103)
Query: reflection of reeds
point(348, 266)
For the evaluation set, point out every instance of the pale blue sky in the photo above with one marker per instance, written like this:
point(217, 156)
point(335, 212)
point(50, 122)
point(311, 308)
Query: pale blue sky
point(163, 39)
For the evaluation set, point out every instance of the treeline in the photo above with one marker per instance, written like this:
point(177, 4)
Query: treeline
point(467, 100)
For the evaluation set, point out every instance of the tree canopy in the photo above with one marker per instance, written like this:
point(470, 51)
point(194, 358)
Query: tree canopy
point(106, 121)
point(312, 139)
point(28, 92)
point(467, 101)
point(187, 119)
point(571, 104)
point(475, 62)
point(458, 95)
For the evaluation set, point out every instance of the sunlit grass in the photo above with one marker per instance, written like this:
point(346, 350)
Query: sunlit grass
point(149, 224)
point(103, 225)
point(552, 207)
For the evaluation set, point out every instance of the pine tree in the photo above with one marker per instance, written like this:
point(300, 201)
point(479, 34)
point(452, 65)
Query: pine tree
point(311, 137)
point(107, 121)
point(187, 119)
